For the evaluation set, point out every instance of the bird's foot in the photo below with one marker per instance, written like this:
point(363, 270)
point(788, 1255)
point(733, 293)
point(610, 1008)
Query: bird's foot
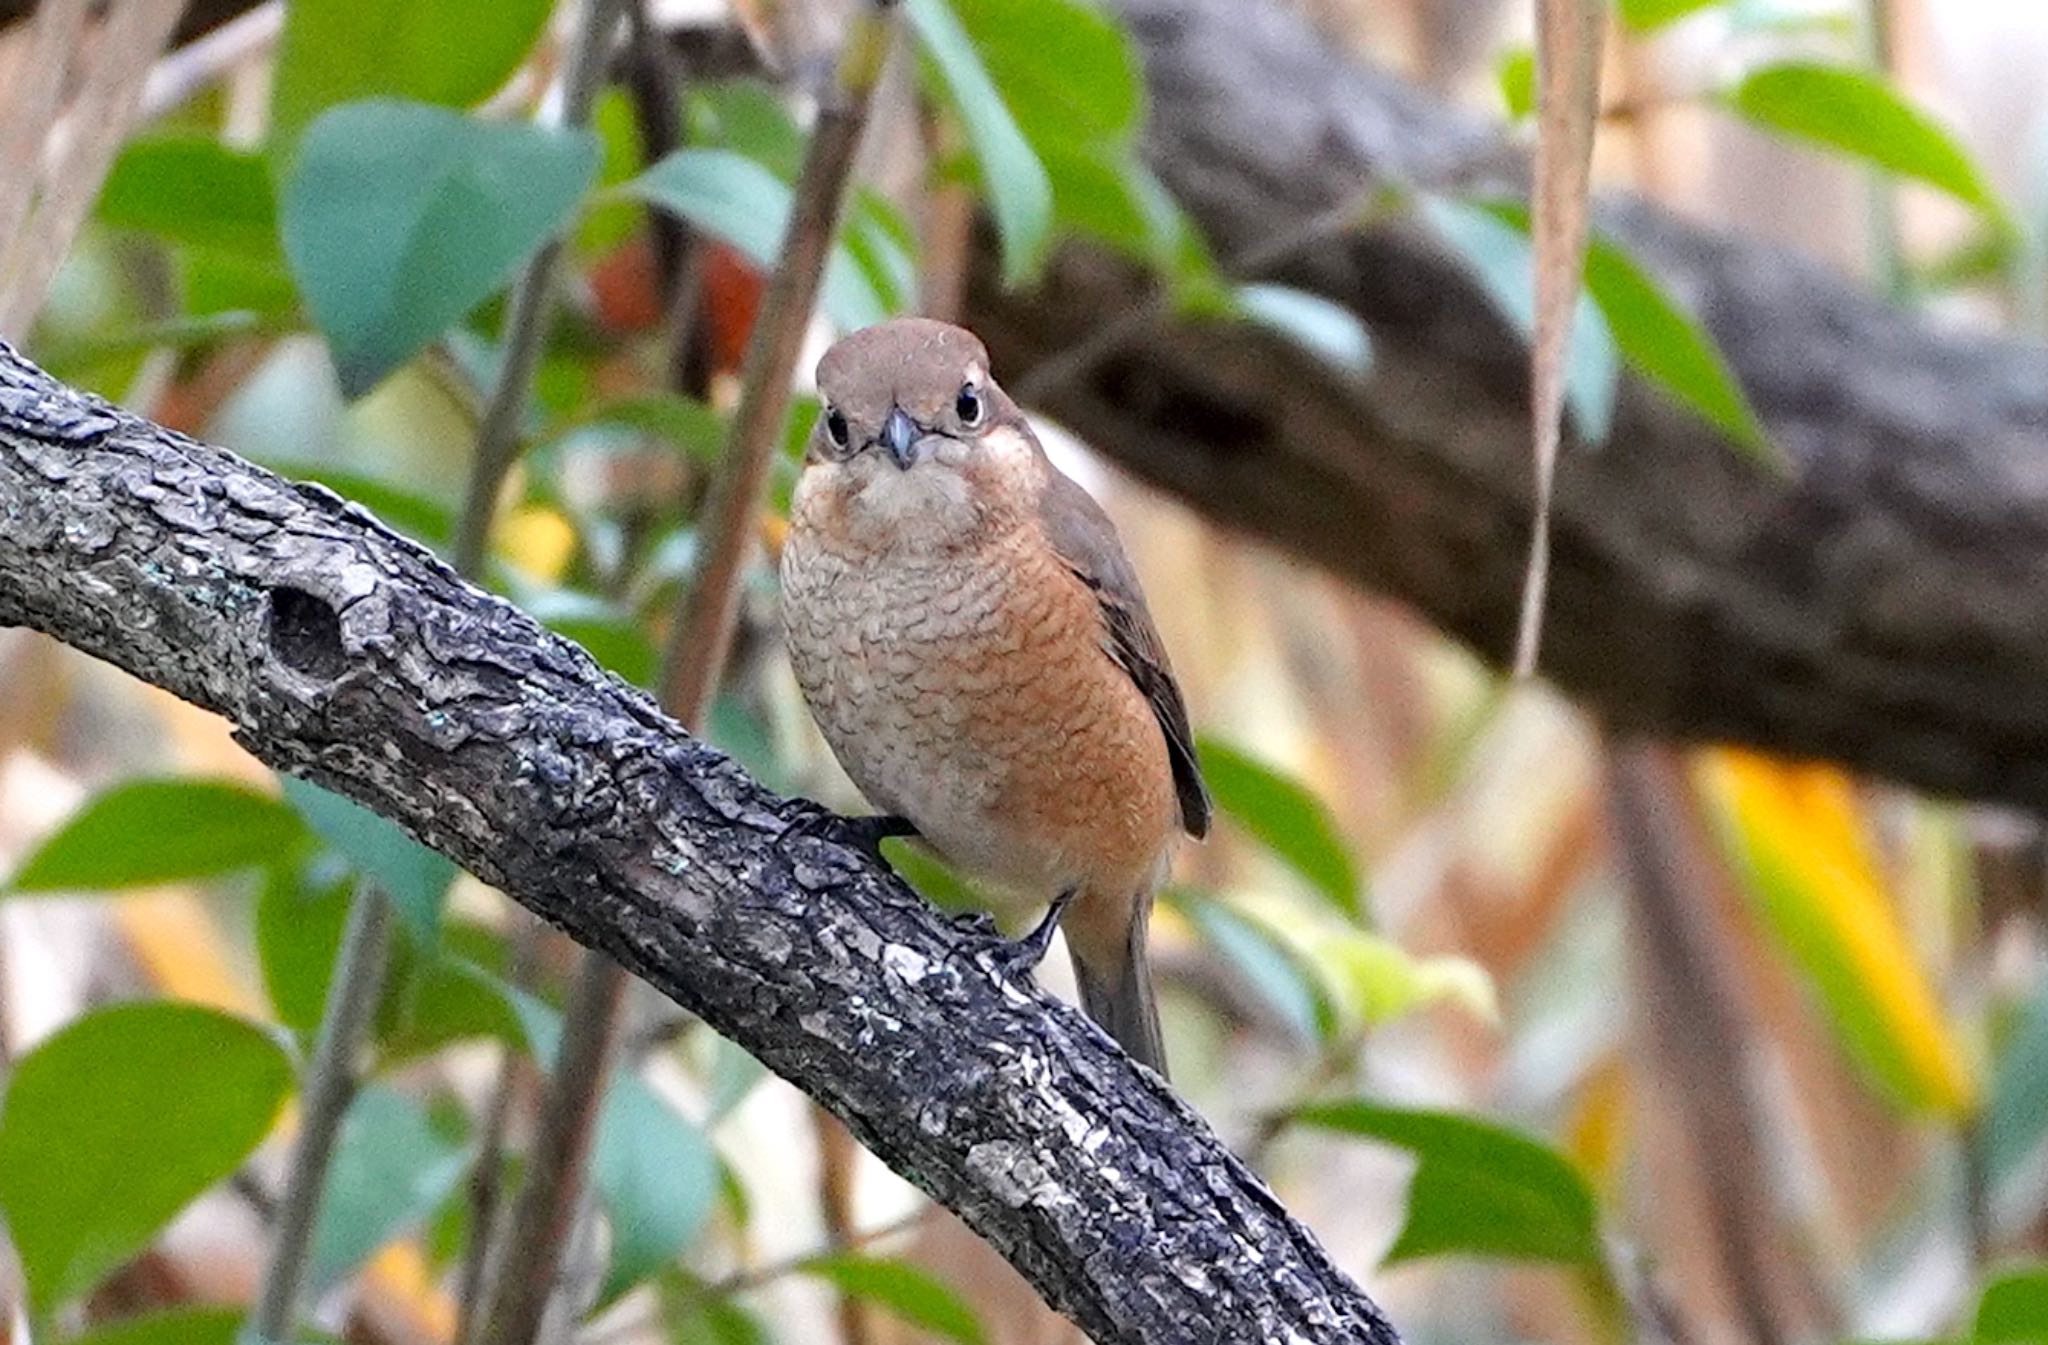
point(865, 833)
point(1019, 958)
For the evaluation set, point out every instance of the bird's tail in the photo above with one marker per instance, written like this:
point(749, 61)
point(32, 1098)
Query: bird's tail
point(1115, 980)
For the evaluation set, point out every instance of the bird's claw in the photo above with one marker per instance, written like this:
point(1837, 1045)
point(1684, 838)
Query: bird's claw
point(865, 833)
point(1019, 958)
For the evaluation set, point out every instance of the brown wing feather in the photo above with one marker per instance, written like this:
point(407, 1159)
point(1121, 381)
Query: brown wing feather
point(1087, 542)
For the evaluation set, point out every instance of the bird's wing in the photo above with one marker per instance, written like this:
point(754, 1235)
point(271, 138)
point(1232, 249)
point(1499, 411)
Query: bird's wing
point(1087, 543)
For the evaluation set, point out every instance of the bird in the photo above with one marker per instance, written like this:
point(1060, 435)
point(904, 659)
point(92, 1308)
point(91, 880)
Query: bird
point(972, 641)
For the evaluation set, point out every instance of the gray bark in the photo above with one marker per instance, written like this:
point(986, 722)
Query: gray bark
point(1882, 605)
point(347, 655)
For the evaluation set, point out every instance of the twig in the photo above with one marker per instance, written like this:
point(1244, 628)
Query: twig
point(548, 1203)
point(526, 319)
point(345, 1022)
point(37, 86)
point(91, 133)
point(179, 76)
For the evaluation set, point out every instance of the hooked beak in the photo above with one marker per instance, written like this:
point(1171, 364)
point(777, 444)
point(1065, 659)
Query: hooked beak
point(900, 435)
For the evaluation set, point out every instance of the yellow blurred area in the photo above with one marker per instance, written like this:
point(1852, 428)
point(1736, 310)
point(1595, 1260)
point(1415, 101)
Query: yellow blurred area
point(1797, 829)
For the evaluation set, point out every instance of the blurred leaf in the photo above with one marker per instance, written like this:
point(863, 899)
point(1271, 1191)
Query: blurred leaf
point(1327, 330)
point(882, 243)
point(446, 1001)
point(1647, 15)
point(1479, 1189)
point(162, 831)
point(931, 878)
point(454, 52)
point(1373, 980)
point(181, 333)
point(1272, 968)
point(415, 878)
point(1663, 342)
point(399, 218)
point(236, 287)
point(1287, 818)
point(175, 1326)
point(731, 196)
point(115, 1123)
point(195, 191)
point(655, 1171)
point(612, 221)
point(698, 1313)
point(2014, 1307)
point(751, 119)
point(1019, 192)
point(1860, 115)
point(299, 922)
point(1091, 93)
point(905, 1290)
point(1795, 834)
point(1514, 74)
point(390, 1171)
point(685, 422)
point(1498, 257)
point(2016, 1118)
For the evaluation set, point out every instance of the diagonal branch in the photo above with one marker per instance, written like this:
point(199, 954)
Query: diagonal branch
point(348, 655)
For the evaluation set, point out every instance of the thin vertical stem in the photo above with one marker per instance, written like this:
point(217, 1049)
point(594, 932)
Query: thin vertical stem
point(527, 316)
point(520, 1282)
point(364, 958)
point(345, 1021)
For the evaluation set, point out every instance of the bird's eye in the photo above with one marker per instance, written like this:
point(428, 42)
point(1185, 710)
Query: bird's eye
point(968, 405)
point(835, 426)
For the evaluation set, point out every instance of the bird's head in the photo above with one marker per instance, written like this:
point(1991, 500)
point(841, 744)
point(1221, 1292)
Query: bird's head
point(915, 444)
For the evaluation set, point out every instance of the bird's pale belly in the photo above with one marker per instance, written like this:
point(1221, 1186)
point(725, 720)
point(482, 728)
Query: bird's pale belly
point(979, 702)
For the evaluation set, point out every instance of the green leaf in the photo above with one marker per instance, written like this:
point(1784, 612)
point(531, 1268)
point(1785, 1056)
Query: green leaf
point(1498, 257)
point(713, 1321)
point(658, 1176)
point(1092, 93)
point(117, 1122)
point(2016, 1118)
point(390, 1171)
point(1012, 176)
point(453, 52)
point(1265, 961)
point(1648, 15)
point(1515, 76)
point(299, 924)
point(904, 1290)
point(400, 218)
point(177, 1326)
point(734, 198)
point(1860, 115)
point(749, 118)
point(415, 878)
point(1288, 819)
point(2014, 1307)
point(655, 1171)
point(1478, 1189)
point(162, 831)
point(194, 191)
point(1329, 331)
point(1662, 342)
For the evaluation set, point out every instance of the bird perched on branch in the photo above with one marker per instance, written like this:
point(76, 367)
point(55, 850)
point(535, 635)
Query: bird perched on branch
point(972, 641)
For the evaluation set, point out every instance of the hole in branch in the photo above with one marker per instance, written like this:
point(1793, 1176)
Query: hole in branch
point(305, 634)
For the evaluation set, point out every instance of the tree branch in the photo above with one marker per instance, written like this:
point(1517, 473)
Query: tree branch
point(347, 655)
point(1881, 606)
